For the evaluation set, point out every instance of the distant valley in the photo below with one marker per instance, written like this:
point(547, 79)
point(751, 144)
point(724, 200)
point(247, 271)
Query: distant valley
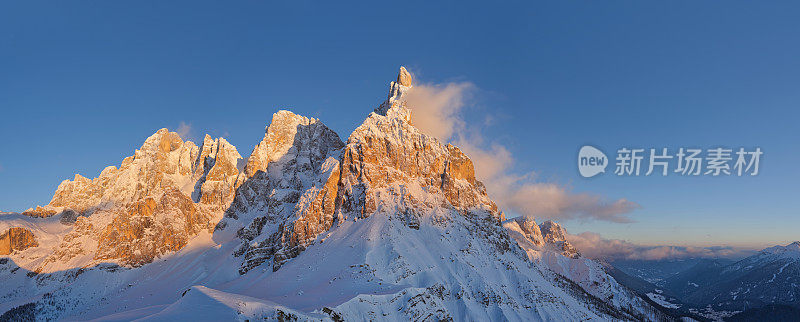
point(767, 282)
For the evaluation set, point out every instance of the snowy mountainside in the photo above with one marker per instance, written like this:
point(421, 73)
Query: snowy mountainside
point(772, 276)
point(718, 288)
point(546, 245)
point(389, 225)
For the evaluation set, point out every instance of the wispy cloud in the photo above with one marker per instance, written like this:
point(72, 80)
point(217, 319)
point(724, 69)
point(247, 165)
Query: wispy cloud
point(437, 107)
point(593, 245)
point(437, 111)
point(184, 130)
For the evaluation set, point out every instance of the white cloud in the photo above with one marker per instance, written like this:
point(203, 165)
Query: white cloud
point(437, 112)
point(549, 200)
point(436, 107)
point(184, 130)
point(593, 245)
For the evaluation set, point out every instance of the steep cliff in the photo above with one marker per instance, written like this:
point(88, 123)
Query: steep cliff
point(16, 239)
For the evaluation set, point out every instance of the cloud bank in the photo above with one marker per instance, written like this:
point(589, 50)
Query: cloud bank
point(437, 111)
point(594, 246)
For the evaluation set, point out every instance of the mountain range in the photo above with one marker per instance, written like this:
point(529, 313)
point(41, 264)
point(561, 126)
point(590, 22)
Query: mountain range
point(766, 282)
point(390, 224)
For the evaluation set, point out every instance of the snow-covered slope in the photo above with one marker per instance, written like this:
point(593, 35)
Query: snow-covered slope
point(772, 276)
point(389, 225)
point(546, 246)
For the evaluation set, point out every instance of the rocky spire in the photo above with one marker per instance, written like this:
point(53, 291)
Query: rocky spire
point(219, 172)
point(404, 77)
point(387, 150)
point(395, 105)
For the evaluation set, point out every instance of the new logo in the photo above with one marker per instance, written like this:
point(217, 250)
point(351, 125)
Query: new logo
point(591, 161)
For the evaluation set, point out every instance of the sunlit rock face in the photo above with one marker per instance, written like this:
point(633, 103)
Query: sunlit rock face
point(297, 182)
point(391, 224)
point(382, 155)
point(308, 139)
point(546, 245)
point(16, 239)
point(149, 228)
point(301, 178)
point(216, 173)
point(290, 191)
point(156, 200)
point(387, 150)
point(39, 212)
point(404, 77)
point(163, 161)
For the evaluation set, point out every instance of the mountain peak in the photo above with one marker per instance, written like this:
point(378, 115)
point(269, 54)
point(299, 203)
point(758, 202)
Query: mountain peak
point(528, 227)
point(286, 130)
point(554, 229)
point(791, 250)
point(404, 77)
point(793, 247)
point(402, 225)
point(395, 105)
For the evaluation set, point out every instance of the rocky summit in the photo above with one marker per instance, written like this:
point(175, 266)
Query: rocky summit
point(390, 224)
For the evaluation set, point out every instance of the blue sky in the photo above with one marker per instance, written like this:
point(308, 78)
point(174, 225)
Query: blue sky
point(83, 84)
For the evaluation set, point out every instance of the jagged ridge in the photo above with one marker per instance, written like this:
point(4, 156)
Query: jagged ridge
point(410, 232)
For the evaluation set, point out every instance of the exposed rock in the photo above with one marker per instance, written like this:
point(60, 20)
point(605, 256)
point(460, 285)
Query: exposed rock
point(532, 231)
point(552, 231)
point(394, 217)
point(404, 77)
point(291, 184)
point(556, 235)
point(164, 161)
point(68, 217)
point(548, 236)
point(287, 212)
point(546, 246)
point(218, 173)
point(16, 238)
point(308, 136)
point(384, 153)
point(144, 209)
point(39, 212)
point(396, 99)
point(388, 149)
point(150, 228)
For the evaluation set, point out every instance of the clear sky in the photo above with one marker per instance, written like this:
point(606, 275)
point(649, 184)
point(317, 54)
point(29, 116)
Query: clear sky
point(83, 84)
